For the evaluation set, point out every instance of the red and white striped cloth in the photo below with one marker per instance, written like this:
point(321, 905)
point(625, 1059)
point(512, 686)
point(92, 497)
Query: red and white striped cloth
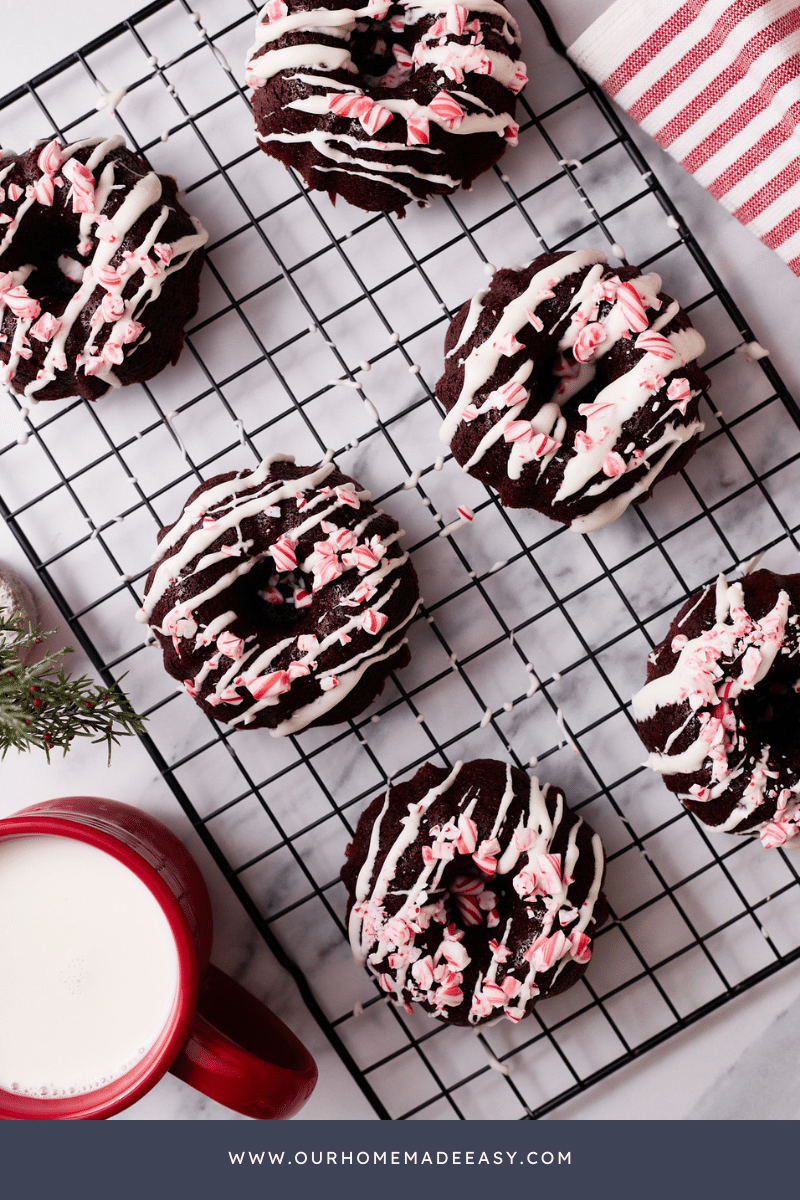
point(717, 84)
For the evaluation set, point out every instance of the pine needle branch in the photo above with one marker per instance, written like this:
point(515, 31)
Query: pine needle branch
point(42, 707)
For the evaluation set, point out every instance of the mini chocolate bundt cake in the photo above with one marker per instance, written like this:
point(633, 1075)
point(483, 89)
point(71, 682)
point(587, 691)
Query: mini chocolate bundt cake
point(473, 892)
point(99, 267)
point(570, 387)
point(281, 597)
point(720, 711)
point(389, 102)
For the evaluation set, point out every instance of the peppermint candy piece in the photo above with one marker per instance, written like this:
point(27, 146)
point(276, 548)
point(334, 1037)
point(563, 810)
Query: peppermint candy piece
point(587, 341)
point(375, 118)
point(366, 558)
point(632, 307)
point(594, 410)
point(274, 684)
point(580, 947)
point(109, 277)
point(519, 80)
point(455, 954)
point(373, 621)
point(529, 442)
point(149, 268)
point(507, 344)
point(518, 431)
point(422, 972)
point(501, 953)
point(536, 322)
point(546, 951)
point(494, 995)
point(655, 343)
point(44, 190)
point(680, 393)
point(776, 833)
point(614, 464)
point(131, 330)
point(106, 231)
point(325, 572)
point(20, 303)
point(456, 19)
point(230, 645)
point(418, 128)
point(46, 327)
point(508, 395)
point(449, 995)
point(446, 110)
point(50, 158)
point(112, 307)
point(82, 188)
point(468, 836)
point(467, 889)
point(403, 66)
point(274, 11)
point(437, 30)
point(346, 494)
point(485, 857)
point(283, 553)
point(357, 106)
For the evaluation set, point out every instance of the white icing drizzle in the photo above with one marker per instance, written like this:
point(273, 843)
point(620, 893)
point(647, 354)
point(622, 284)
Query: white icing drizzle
point(437, 45)
point(356, 556)
point(384, 939)
point(117, 318)
point(593, 463)
point(726, 660)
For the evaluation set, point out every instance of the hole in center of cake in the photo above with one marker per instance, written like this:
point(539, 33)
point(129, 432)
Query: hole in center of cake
point(769, 712)
point(55, 279)
point(380, 52)
point(284, 593)
point(473, 895)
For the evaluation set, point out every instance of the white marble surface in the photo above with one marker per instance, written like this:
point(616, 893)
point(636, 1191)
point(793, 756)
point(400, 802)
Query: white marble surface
point(733, 1063)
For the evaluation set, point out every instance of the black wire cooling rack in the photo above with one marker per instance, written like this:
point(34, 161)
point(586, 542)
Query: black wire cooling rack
point(321, 328)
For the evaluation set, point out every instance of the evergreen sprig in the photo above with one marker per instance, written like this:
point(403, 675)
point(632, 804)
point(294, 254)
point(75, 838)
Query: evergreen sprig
point(41, 706)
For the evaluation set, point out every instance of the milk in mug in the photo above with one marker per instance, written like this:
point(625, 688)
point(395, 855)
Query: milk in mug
point(88, 967)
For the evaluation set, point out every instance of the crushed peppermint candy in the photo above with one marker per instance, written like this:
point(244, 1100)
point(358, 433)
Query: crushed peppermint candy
point(416, 926)
point(733, 654)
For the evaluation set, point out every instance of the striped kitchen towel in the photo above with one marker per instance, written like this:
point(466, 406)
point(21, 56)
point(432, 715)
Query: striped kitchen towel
point(717, 84)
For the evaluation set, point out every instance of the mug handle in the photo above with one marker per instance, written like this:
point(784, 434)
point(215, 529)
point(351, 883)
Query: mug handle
point(243, 1056)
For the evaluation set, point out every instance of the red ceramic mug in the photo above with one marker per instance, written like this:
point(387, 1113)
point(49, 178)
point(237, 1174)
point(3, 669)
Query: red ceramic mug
point(217, 1037)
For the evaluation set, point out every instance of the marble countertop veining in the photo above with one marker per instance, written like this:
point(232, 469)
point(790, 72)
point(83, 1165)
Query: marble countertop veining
point(732, 1064)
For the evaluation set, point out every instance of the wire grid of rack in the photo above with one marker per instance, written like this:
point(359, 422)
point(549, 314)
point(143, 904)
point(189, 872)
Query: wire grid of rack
point(321, 328)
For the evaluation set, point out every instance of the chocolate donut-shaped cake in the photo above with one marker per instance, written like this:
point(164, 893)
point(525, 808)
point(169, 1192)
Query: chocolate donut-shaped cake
point(720, 709)
point(473, 892)
point(389, 102)
point(571, 387)
point(281, 597)
point(99, 267)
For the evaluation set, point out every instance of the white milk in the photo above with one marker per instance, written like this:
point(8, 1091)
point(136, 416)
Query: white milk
point(88, 967)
